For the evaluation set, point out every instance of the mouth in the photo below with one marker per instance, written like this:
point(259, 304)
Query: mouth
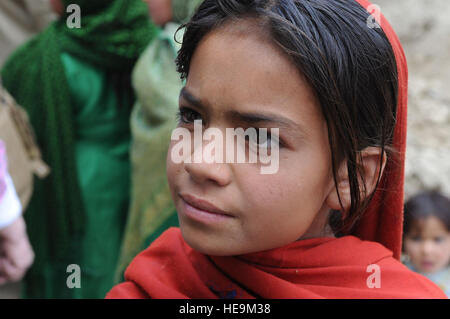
point(427, 264)
point(202, 210)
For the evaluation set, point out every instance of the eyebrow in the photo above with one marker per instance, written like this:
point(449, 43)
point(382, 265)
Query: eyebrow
point(185, 94)
point(246, 117)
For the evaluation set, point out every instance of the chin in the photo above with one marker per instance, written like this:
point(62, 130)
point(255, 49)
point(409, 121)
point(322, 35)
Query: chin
point(206, 245)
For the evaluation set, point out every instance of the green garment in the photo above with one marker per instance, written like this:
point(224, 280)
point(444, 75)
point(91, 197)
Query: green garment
point(157, 86)
point(102, 157)
point(113, 34)
point(102, 142)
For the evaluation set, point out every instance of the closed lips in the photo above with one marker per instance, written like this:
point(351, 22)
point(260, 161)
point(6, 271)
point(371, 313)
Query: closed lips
point(203, 205)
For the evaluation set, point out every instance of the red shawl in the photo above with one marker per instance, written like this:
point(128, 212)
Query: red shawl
point(313, 268)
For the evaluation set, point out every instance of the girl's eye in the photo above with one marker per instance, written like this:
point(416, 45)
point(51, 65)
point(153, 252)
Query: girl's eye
point(187, 116)
point(416, 238)
point(438, 240)
point(265, 139)
point(262, 140)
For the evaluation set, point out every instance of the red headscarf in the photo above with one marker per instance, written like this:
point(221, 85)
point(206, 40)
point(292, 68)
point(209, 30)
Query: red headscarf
point(312, 268)
point(383, 220)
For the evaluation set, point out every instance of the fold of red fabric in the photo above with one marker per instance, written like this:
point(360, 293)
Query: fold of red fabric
point(383, 220)
point(335, 268)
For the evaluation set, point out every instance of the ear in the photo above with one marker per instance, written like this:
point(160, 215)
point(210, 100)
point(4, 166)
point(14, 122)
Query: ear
point(369, 164)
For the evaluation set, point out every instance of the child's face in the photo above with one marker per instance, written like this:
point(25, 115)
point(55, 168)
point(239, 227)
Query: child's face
point(160, 11)
point(233, 73)
point(57, 6)
point(428, 245)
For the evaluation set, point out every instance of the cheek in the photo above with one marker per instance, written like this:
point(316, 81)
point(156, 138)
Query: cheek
point(412, 248)
point(303, 180)
point(445, 250)
point(290, 199)
point(264, 192)
point(173, 170)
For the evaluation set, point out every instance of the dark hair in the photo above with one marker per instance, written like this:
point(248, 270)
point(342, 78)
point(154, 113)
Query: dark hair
point(350, 66)
point(424, 205)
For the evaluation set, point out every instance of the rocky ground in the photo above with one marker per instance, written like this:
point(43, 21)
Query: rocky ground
point(424, 30)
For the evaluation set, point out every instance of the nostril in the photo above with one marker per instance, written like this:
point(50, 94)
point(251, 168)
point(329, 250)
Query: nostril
point(215, 173)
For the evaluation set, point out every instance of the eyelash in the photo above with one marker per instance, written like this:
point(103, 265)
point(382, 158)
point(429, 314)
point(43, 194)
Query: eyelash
point(183, 112)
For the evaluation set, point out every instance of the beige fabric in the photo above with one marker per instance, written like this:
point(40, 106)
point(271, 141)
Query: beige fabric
point(19, 20)
point(24, 157)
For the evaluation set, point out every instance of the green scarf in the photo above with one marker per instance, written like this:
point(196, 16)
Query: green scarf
point(113, 34)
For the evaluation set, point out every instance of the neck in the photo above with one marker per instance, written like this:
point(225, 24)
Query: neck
point(326, 232)
point(320, 226)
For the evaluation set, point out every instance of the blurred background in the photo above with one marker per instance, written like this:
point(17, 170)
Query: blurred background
point(424, 30)
point(19, 21)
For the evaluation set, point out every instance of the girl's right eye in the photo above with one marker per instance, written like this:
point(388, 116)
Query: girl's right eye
point(186, 115)
point(416, 238)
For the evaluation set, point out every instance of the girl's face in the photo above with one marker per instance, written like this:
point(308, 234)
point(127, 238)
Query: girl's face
point(428, 245)
point(238, 79)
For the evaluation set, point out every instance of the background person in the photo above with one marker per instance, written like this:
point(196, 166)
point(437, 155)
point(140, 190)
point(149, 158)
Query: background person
point(427, 237)
point(19, 21)
point(75, 85)
point(157, 86)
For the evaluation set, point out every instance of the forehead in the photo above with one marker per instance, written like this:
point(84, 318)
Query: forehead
point(237, 66)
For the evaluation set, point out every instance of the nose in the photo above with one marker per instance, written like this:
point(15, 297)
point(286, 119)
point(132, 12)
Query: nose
point(202, 171)
point(427, 247)
point(217, 173)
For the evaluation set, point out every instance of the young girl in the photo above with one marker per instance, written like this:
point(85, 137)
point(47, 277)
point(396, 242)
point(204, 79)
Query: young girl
point(427, 237)
point(334, 84)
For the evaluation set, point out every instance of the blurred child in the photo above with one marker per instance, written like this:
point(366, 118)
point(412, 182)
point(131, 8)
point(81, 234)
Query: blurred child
point(427, 237)
point(331, 89)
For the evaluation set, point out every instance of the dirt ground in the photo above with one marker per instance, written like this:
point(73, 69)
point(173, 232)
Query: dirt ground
point(424, 30)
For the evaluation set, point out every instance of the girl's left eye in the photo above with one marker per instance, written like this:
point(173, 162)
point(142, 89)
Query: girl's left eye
point(265, 139)
point(187, 116)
